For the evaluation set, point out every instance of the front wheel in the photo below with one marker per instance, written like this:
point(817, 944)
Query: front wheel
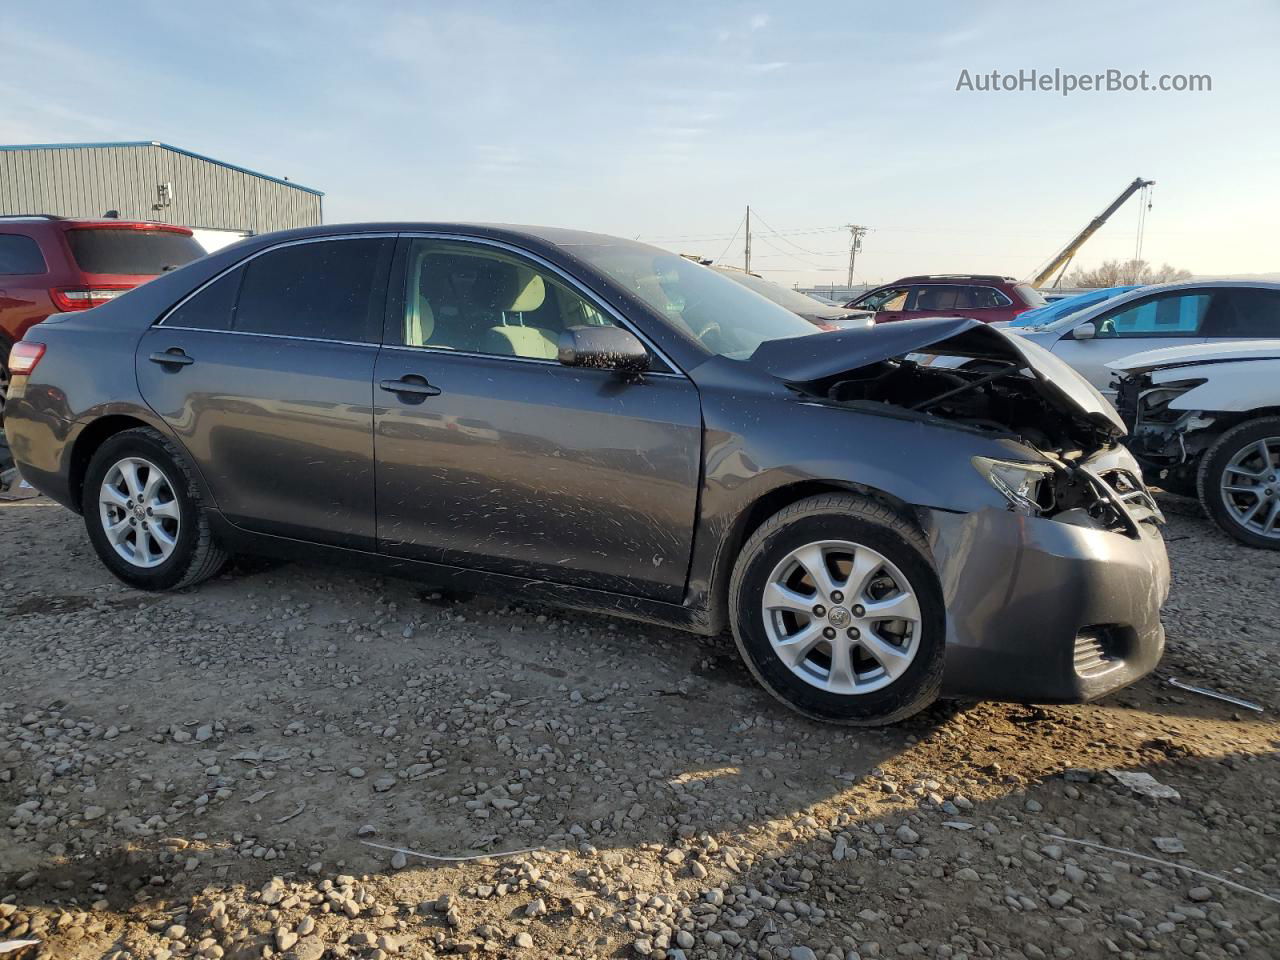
point(1239, 482)
point(837, 611)
point(144, 515)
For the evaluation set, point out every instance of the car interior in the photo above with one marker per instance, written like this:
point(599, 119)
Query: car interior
point(482, 303)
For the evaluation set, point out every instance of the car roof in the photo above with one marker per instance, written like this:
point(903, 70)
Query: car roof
point(557, 236)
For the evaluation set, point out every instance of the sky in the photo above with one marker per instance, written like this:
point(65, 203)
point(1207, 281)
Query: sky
point(664, 120)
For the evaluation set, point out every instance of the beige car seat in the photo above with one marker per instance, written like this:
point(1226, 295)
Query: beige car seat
point(512, 337)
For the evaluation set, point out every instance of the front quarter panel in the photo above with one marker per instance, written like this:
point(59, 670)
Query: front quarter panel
point(760, 436)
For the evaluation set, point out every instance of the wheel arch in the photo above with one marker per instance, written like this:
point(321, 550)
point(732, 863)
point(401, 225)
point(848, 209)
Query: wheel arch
point(86, 444)
point(761, 509)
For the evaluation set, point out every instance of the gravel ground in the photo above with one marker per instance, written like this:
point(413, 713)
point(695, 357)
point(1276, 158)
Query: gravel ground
point(200, 774)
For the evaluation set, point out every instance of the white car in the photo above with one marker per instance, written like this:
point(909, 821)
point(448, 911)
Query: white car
point(1172, 314)
point(1205, 418)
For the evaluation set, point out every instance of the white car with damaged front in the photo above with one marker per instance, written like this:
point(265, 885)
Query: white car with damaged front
point(1204, 419)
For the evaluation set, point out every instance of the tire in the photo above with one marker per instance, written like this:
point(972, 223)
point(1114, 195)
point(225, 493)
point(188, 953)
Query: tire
point(4, 378)
point(1245, 439)
point(855, 695)
point(181, 552)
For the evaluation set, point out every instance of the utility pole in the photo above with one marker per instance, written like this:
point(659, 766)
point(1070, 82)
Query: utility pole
point(747, 257)
point(856, 233)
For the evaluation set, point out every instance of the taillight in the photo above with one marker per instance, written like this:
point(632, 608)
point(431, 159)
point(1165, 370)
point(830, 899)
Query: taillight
point(82, 298)
point(23, 357)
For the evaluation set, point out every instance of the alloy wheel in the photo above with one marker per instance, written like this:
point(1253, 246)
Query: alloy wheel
point(1250, 487)
point(139, 512)
point(842, 617)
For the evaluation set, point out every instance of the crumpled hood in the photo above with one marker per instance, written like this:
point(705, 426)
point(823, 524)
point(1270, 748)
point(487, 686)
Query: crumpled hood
point(808, 360)
point(1191, 353)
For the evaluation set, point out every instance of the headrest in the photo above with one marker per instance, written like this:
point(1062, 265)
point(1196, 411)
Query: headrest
point(530, 291)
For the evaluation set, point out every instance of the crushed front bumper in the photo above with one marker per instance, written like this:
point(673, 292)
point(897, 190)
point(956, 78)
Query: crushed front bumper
point(1043, 611)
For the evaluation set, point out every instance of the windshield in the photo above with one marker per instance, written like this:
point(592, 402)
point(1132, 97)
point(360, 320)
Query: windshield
point(132, 252)
point(722, 316)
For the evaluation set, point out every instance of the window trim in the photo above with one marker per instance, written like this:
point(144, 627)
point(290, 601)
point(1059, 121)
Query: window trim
point(239, 264)
point(568, 279)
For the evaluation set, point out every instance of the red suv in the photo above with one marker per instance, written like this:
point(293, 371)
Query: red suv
point(982, 297)
point(54, 265)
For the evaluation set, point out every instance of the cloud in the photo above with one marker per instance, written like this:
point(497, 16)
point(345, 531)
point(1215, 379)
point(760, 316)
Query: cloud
point(759, 21)
point(768, 67)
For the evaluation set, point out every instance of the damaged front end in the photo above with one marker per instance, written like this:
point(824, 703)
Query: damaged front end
point(1167, 442)
point(1009, 388)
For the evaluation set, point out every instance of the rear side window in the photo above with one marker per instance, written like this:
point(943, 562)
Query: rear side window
point(20, 255)
point(131, 252)
point(1244, 313)
point(327, 290)
point(211, 308)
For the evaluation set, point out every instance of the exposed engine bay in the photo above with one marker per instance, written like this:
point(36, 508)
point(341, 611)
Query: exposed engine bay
point(996, 397)
point(1167, 442)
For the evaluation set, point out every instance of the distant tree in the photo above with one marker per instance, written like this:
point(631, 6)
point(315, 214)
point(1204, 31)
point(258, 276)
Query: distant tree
point(1114, 273)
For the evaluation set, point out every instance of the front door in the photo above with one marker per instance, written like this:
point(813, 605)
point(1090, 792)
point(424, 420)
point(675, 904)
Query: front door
point(493, 456)
point(266, 377)
point(1160, 320)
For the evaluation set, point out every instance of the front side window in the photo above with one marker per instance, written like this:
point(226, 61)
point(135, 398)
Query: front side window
point(20, 256)
point(1244, 313)
point(325, 290)
point(890, 298)
point(1170, 315)
point(477, 299)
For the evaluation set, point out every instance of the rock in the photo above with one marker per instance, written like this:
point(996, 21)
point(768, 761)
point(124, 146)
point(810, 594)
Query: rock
point(1032, 806)
point(536, 909)
point(684, 939)
point(28, 879)
point(355, 773)
point(1200, 894)
point(367, 830)
point(803, 953)
point(94, 813)
point(906, 835)
point(523, 940)
point(674, 857)
point(285, 938)
point(309, 949)
point(968, 874)
point(398, 861)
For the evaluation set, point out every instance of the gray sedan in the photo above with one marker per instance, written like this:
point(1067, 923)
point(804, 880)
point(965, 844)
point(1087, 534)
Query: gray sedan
point(573, 418)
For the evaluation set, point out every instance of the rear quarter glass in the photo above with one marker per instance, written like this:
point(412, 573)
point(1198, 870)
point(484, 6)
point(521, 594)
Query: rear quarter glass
point(1029, 295)
point(20, 256)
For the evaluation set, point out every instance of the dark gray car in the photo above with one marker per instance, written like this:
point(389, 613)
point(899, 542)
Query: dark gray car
point(574, 418)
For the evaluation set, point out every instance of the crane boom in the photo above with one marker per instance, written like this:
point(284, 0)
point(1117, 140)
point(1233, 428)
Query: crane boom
point(1090, 229)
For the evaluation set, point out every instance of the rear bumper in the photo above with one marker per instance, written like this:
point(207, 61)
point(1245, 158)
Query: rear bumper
point(1042, 611)
point(41, 445)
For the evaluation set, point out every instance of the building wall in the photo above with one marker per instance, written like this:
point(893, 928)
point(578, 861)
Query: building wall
point(87, 181)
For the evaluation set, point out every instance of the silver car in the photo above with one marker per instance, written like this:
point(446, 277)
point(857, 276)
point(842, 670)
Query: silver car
point(1163, 315)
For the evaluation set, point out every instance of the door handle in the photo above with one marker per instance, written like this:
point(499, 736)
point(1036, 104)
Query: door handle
point(417, 386)
point(171, 357)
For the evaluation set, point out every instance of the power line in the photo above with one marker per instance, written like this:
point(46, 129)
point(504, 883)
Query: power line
point(730, 243)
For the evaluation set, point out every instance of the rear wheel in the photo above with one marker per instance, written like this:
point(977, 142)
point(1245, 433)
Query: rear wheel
point(144, 514)
point(1239, 482)
point(4, 378)
point(837, 611)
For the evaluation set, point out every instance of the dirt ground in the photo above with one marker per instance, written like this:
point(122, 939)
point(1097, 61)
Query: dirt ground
point(201, 774)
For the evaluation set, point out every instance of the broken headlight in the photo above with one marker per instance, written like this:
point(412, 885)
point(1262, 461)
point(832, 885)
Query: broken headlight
point(1026, 486)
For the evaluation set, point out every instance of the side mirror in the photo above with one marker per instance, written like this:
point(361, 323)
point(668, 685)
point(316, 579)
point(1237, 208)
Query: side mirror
point(603, 348)
point(1086, 331)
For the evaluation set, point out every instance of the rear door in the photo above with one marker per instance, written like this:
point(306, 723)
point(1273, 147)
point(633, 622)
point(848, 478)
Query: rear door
point(266, 375)
point(494, 456)
point(1160, 320)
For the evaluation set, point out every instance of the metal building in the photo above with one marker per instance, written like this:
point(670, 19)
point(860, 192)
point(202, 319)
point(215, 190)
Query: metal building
point(147, 180)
